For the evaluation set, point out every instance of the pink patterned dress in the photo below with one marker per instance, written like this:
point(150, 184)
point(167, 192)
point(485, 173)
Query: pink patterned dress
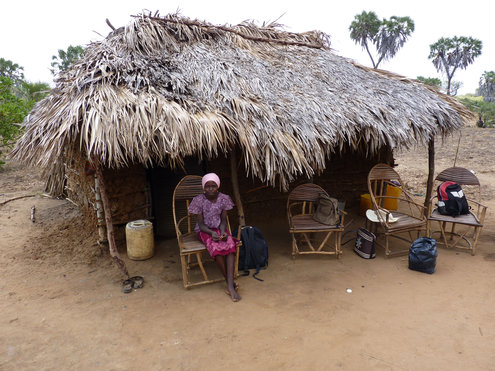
point(212, 212)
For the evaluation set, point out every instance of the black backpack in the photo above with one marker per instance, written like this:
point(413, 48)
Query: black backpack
point(451, 199)
point(253, 253)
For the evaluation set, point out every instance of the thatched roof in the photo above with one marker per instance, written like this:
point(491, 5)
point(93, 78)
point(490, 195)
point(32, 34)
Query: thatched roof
point(164, 88)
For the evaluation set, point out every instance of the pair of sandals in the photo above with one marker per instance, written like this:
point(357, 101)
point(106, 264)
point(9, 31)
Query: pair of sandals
point(135, 282)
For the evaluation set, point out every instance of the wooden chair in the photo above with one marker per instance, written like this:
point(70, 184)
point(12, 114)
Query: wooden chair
point(304, 229)
point(410, 215)
point(190, 246)
point(472, 222)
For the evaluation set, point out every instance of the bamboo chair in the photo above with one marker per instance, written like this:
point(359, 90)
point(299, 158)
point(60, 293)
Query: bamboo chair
point(472, 222)
point(190, 247)
point(305, 230)
point(410, 215)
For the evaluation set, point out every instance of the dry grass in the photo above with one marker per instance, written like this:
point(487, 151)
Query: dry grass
point(164, 88)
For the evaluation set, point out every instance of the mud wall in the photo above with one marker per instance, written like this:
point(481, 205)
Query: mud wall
point(139, 193)
point(344, 178)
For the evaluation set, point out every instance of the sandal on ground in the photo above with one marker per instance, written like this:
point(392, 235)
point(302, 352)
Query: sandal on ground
point(135, 282)
point(127, 286)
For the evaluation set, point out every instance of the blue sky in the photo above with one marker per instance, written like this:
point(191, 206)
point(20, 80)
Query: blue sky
point(31, 32)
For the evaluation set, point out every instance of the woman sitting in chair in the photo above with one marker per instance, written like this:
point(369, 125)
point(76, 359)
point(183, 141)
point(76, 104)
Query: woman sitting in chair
point(211, 208)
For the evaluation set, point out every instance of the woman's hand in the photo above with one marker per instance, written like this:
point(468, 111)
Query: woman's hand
point(215, 236)
point(223, 226)
point(223, 236)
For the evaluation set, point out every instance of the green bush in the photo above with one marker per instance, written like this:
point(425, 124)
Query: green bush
point(13, 110)
point(485, 110)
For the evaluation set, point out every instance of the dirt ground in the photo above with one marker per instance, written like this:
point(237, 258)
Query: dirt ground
point(62, 305)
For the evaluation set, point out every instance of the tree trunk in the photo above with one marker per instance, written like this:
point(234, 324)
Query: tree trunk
point(108, 219)
point(235, 187)
point(431, 171)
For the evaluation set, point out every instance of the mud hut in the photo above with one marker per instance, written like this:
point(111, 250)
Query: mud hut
point(166, 96)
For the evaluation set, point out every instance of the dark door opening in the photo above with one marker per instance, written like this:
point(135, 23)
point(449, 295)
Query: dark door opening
point(163, 181)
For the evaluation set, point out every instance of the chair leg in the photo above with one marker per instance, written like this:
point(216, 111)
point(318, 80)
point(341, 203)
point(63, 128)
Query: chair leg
point(411, 236)
point(452, 231)
point(294, 246)
point(317, 246)
point(327, 237)
point(338, 241)
point(236, 266)
point(460, 237)
point(442, 231)
point(387, 250)
point(200, 263)
point(477, 231)
point(455, 237)
point(185, 278)
point(308, 241)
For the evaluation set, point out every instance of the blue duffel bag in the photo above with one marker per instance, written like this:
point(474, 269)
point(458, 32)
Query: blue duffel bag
point(423, 255)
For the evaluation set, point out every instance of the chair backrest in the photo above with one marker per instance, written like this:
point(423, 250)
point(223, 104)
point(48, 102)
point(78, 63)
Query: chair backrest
point(304, 196)
point(379, 177)
point(306, 192)
point(464, 177)
point(383, 172)
point(459, 175)
point(188, 187)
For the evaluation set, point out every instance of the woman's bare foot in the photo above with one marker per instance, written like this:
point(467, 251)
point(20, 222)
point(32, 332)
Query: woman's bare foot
point(236, 288)
point(234, 294)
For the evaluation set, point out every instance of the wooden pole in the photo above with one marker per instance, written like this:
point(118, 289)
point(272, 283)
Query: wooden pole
point(431, 172)
point(108, 219)
point(100, 217)
point(235, 187)
point(457, 150)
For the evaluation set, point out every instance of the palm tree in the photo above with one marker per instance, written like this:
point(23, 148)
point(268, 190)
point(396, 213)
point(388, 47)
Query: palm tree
point(388, 36)
point(449, 54)
point(487, 86)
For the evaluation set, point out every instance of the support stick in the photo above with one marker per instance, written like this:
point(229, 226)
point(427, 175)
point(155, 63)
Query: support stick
point(431, 172)
point(99, 214)
point(235, 187)
point(108, 219)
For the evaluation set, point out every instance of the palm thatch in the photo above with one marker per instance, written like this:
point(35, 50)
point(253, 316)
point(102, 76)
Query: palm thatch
point(164, 88)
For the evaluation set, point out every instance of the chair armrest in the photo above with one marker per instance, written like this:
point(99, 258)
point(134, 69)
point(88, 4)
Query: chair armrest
point(421, 208)
point(289, 210)
point(178, 225)
point(481, 210)
point(292, 205)
point(415, 203)
point(342, 215)
point(432, 198)
point(470, 201)
point(387, 213)
point(239, 230)
point(481, 216)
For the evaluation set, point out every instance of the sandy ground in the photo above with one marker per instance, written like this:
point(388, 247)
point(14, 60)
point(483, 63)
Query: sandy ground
point(62, 305)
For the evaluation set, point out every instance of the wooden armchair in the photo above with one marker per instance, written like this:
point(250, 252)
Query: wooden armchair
point(471, 223)
point(190, 246)
point(408, 219)
point(304, 229)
